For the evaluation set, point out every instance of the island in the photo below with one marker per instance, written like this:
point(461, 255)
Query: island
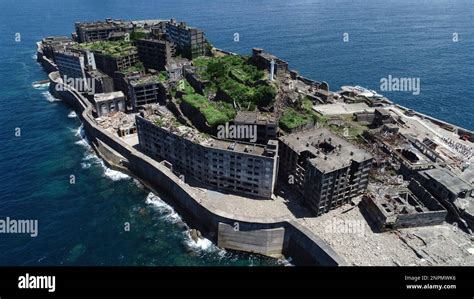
point(261, 159)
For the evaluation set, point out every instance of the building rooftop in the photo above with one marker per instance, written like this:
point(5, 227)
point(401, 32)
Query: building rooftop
point(169, 123)
point(107, 24)
point(448, 179)
point(325, 150)
point(144, 80)
point(102, 97)
point(251, 117)
point(183, 25)
point(97, 73)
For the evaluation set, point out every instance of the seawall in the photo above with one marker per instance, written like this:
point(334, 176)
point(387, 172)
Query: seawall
point(272, 237)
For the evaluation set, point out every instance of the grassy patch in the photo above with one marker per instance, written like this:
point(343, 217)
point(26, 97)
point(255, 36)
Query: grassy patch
point(112, 48)
point(236, 77)
point(215, 113)
point(185, 87)
point(137, 67)
point(292, 119)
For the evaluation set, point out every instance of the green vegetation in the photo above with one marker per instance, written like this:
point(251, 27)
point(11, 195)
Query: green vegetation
point(138, 34)
point(147, 79)
point(185, 87)
point(303, 115)
point(348, 128)
point(236, 77)
point(163, 76)
point(159, 122)
point(215, 113)
point(137, 67)
point(292, 119)
point(112, 48)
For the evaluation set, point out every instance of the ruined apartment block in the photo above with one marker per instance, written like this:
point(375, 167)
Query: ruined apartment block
point(235, 167)
point(326, 169)
point(155, 54)
point(190, 41)
point(409, 207)
point(145, 90)
point(266, 124)
point(100, 30)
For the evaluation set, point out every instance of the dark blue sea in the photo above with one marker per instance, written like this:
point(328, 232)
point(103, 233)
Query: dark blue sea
point(83, 223)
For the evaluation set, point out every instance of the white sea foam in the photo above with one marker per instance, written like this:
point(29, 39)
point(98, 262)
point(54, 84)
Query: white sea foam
point(202, 244)
point(49, 97)
point(166, 210)
point(40, 85)
point(285, 262)
point(90, 158)
point(169, 214)
point(80, 131)
point(85, 165)
point(114, 175)
point(72, 114)
point(138, 184)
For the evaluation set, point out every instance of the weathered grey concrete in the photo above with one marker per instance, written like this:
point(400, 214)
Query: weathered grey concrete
point(264, 241)
point(303, 246)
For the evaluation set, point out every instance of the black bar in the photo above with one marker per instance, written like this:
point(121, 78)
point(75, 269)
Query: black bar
point(294, 282)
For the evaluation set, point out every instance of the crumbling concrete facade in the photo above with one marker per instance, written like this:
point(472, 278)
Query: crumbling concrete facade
point(234, 167)
point(263, 60)
point(410, 207)
point(100, 30)
point(327, 170)
point(155, 54)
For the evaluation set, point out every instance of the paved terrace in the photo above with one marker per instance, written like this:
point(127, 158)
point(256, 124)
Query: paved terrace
point(434, 245)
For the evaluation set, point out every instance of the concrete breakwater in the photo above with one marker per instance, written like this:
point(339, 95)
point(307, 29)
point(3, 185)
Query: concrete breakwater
point(269, 236)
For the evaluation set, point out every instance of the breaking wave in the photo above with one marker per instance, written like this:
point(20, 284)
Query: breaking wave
point(169, 214)
point(49, 97)
point(40, 85)
point(90, 158)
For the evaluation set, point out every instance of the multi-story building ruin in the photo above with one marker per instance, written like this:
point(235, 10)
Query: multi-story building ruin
point(145, 90)
point(266, 124)
point(100, 30)
point(264, 60)
point(190, 41)
point(326, 169)
point(236, 167)
point(154, 53)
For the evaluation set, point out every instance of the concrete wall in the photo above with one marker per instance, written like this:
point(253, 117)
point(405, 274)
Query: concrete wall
point(264, 241)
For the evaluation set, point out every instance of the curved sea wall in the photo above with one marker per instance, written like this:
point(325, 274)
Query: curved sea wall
point(272, 237)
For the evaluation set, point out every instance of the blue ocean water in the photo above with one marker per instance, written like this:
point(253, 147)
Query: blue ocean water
point(83, 224)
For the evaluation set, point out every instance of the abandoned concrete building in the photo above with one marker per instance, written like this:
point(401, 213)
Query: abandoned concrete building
point(408, 207)
point(154, 53)
point(236, 167)
point(112, 64)
point(381, 117)
point(263, 61)
point(145, 90)
point(326, 169)
point(190, 41)
point(411, 154)
point(102, 82)
point(175, 68)
point(55, 44)
point(100, 30)
point(106, 103)
point(453, 192)
point(71, 64)
point(267, 125)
